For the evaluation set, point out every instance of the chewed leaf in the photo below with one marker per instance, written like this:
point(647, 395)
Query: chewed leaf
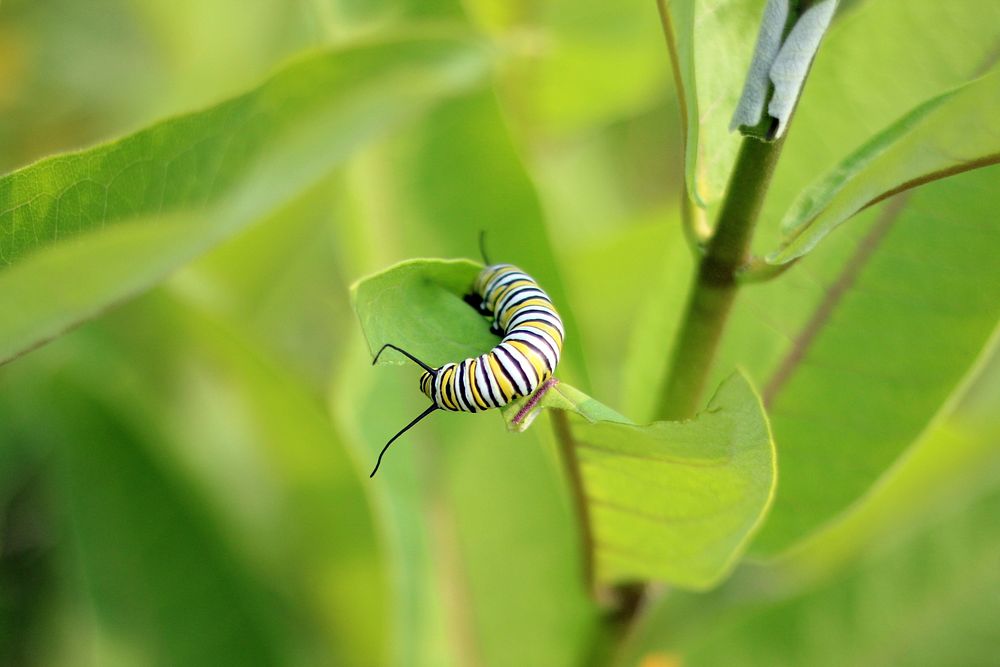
point(669, 501)
point(418, 305)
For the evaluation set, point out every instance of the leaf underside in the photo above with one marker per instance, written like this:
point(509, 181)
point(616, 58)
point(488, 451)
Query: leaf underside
point(671, 501)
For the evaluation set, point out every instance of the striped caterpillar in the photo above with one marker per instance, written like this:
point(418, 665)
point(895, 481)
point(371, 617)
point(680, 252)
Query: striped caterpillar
point(531, 334)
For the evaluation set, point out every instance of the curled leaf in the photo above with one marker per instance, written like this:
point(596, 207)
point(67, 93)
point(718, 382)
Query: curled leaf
point(417, 305)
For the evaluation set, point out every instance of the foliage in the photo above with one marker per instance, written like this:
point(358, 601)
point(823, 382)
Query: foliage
point(161, 196)
point(925, 594)
point(190, 415)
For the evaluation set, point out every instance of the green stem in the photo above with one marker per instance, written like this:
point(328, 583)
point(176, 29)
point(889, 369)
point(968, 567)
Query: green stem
point(571, 465)
point(621, 602)
point(715, 284)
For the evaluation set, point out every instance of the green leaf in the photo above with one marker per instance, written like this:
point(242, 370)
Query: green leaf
point(949, 134)
point(865, 341)
point(947, 462)
point(671, 501)
point(712, 62)
point(924, 597)
point(165, 194)
point(417, 305)
point(880, 60)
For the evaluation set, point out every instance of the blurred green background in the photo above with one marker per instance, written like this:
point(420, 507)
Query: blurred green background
point(183, 481)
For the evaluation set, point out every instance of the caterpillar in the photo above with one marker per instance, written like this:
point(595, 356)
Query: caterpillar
point(531, 341)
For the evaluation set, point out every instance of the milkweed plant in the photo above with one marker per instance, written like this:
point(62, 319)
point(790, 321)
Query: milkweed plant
point(737, 329)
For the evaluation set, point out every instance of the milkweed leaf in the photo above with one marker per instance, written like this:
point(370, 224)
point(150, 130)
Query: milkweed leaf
point(670, 501)
point(106, 223)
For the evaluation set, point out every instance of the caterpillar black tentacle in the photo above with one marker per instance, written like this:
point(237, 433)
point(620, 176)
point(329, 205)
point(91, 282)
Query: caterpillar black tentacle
point(531, 343)
point(482, 246)
point(401, 432)
point(404, 353)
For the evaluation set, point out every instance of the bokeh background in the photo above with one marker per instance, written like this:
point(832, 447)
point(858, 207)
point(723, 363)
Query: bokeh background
point(183, 481)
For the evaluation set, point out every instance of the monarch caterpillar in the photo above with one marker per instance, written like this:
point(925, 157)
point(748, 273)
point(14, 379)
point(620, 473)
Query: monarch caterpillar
point(527, 355)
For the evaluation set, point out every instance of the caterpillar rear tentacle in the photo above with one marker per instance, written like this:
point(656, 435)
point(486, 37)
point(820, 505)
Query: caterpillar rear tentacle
point(531, 343)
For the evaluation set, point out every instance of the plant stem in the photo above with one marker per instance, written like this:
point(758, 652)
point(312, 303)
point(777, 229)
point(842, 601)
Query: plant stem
point(708, 307)
point(622, 603)
point(715, 283)
point(571, 464)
